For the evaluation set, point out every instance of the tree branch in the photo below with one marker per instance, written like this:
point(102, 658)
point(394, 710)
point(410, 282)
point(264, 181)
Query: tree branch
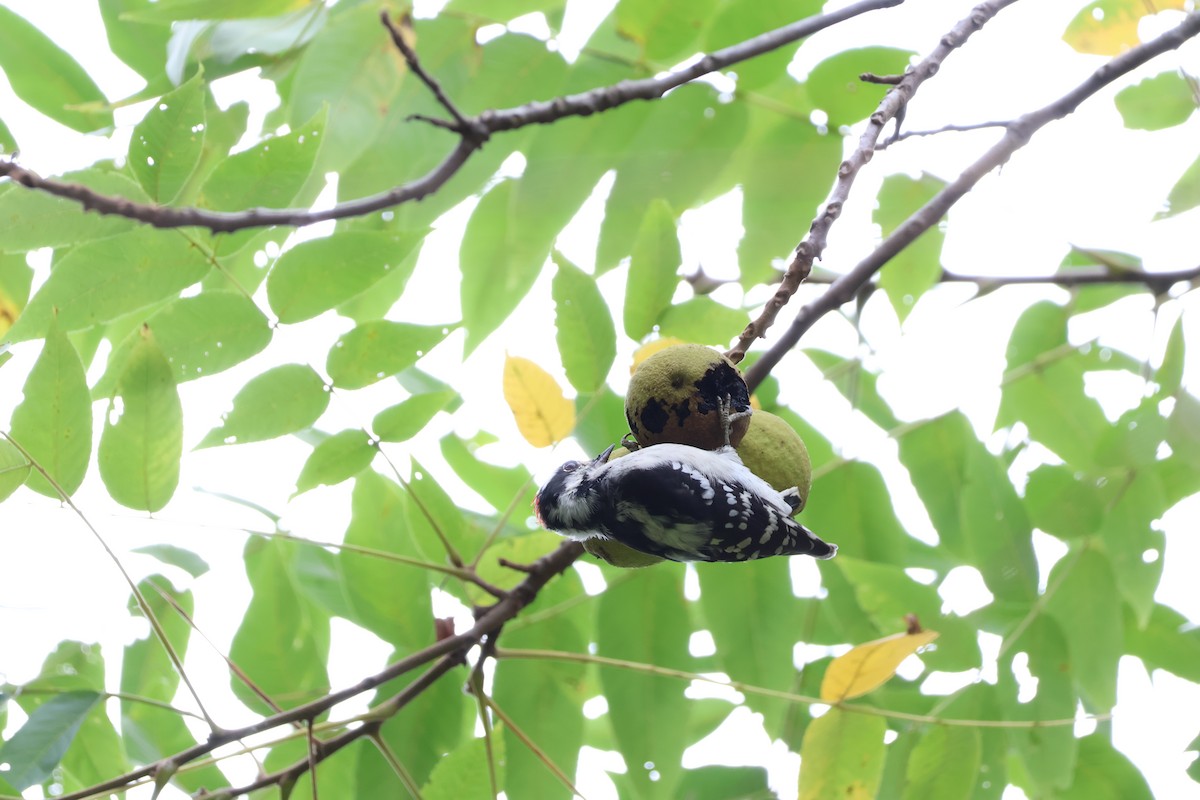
point(474, 131)
point(1017, 134)
point(540, 573)
point(890, 107)
point(1157, 282)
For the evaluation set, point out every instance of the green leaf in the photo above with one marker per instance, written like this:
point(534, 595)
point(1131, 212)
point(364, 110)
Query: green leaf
point(1063, 503)
point(887, 595)
point(835, 88)
point(510, 234)
point(54, 420)
point(320, 274)
point(1104, 773)
point(402, 616)
point(142, 46)
point(8, 143)
point(1087, 606)
point(666, 30)
point(38, 746)
point(1129, 538)
point(739, 20)
point(200, 335)
point(504, 10)
point(644, 619)
point(1156, 103)
point(704, 321)
point(283, 641)
point(972, 503)
point(851, 505)
point(502, 487)
point(1185, 194)
point(1043, 387)
point(463, 775)
point(779, 196)
point(587, 340)
point(150, 733)
point(653, 270)
point(944, 764)
point(681, 153)
point(282, 400)
point(857, 384)
point(175, 10)
point(433, 724)
point(725, 783)
point(175, 556)
point(29, 220)
point(545, 698)
point(760, 655)
point(374, 350)
point(1169, 375)
point(16, 279)
point(1048, 754)
point(14, 469)
point(432, 507)
point(46, 77)
point(270, 174)
point(352, 66)
point(1168, 640)
point(918, 267)
point(101, 280)
point(599, 419)
point(139, 452)
point(842, 756)
point(406, 419)
point(338, 458)
point(167, 143)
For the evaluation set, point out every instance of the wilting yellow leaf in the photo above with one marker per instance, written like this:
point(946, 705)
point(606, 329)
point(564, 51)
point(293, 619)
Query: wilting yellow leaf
point(1108, 27)
point(650, 348)
point(543, 415)
point(869, 665)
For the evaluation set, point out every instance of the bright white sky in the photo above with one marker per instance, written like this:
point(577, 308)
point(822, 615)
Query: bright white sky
point(1085, 180)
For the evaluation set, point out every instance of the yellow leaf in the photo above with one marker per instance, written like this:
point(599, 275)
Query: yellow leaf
point(649, 349)
point(543, 415)
point(1108, 27)
point(869, 665)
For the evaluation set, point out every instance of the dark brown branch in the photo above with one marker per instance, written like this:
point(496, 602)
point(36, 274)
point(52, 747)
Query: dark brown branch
point(540, 112)
point(1156, 281)
point(891, 107)
point(468, 129)
point(1016, 136)
point(321, 749)
point(540, 573)
point(883, 80)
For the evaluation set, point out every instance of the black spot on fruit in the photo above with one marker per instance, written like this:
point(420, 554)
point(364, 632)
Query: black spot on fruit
point(654, 417)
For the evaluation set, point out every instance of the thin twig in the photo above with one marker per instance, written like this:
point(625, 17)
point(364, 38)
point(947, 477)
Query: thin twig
point(465, 127)
point(542, 571)
point(510, 119)
point(890, 107)
point(397, 766)
point(745, 688)
point(1016, 136)
point(532, 745)
point(976, 126)
point(159, 632)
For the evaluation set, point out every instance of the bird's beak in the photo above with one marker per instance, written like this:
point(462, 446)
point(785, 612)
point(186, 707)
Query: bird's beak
point(603, 457)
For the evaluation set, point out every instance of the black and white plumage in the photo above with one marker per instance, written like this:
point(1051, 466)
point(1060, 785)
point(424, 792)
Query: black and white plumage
point(678, 502)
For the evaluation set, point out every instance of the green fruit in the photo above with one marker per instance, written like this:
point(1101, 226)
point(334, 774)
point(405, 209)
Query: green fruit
point(614, 552)
point(773, 451)
point(674, 396)
point(619, 555)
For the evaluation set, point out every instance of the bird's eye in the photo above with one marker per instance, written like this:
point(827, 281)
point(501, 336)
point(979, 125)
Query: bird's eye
point(570, 466)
